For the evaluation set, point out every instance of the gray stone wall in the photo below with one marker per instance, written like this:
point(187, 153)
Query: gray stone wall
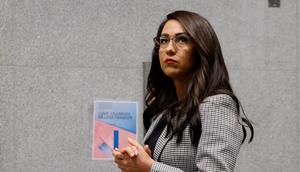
point(57, 57)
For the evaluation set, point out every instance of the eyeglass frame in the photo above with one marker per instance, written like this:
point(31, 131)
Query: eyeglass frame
point(177, 45)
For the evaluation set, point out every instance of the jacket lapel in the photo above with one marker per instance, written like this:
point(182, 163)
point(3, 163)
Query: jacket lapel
point(152, 127)
point(160, 144)
point(161, 141)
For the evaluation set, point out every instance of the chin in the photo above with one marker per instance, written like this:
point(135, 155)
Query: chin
point(171, 75)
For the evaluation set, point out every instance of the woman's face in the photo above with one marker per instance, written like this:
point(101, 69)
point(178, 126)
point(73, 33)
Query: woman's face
point(176, 57)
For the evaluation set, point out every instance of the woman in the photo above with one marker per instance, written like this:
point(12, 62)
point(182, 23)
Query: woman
point(192, 118)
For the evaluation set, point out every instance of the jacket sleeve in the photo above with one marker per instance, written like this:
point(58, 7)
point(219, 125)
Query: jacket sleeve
point(161, 167)
point(220, 139)
point(221, 136)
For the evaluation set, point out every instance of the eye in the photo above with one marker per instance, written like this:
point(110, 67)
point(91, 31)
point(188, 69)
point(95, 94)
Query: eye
point(164, 40)
point(182, 39)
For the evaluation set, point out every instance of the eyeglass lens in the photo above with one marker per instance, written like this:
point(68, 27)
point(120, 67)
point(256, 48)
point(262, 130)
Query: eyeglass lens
point(180, 40)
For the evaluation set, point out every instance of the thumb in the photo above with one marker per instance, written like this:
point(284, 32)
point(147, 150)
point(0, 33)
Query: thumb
point(148, 150)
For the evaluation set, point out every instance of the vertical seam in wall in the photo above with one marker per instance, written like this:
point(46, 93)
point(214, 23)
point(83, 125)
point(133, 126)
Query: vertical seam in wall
point(297, 83)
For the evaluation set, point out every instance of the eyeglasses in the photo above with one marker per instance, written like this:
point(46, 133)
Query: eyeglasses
point(181, 40)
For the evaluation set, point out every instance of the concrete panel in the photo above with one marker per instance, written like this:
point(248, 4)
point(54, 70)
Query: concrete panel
point(298, 98)
point(254, 36)
point(6, 114)
point(69, 33)
point(4, 34)
point(52, 116)
point(269, 100)
point(280, 28)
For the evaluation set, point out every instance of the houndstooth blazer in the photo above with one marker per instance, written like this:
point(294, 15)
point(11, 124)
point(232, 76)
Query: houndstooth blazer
point(218, 146)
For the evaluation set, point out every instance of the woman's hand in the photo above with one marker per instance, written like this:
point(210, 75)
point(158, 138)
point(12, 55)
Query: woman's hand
point(134, 158)
point(131, 151)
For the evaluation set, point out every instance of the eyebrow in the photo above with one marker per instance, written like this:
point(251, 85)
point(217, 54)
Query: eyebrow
point(180, 33)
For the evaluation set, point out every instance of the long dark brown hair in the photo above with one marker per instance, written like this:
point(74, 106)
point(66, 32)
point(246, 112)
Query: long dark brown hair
point(209, 77)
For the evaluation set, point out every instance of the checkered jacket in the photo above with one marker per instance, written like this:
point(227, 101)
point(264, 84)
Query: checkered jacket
point(218, 146)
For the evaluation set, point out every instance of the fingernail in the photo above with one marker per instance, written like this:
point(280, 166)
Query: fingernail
point(131, 154)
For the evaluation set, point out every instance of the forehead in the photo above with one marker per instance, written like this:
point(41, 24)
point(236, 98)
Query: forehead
point(172, 27)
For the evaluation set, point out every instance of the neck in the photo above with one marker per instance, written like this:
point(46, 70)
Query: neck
point(181, 88)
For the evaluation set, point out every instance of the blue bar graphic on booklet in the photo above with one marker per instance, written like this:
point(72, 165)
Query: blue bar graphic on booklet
point(116, 139)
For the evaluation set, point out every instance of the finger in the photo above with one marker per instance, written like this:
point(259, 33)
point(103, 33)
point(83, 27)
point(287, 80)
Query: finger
point(118, 155)
point(113, 153)
point(134, 149)
point(134, 143)
point(123, 164)
point(131, 151)
point(148, 150)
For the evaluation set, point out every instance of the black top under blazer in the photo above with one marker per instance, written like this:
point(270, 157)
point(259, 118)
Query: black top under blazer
point(218, 147)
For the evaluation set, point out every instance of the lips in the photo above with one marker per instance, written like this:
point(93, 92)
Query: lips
point(170, 61)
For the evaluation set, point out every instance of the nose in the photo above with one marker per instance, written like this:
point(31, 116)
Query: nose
point(171, 48)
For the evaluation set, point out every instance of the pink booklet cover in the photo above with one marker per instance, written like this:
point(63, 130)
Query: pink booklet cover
point(114, 122)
